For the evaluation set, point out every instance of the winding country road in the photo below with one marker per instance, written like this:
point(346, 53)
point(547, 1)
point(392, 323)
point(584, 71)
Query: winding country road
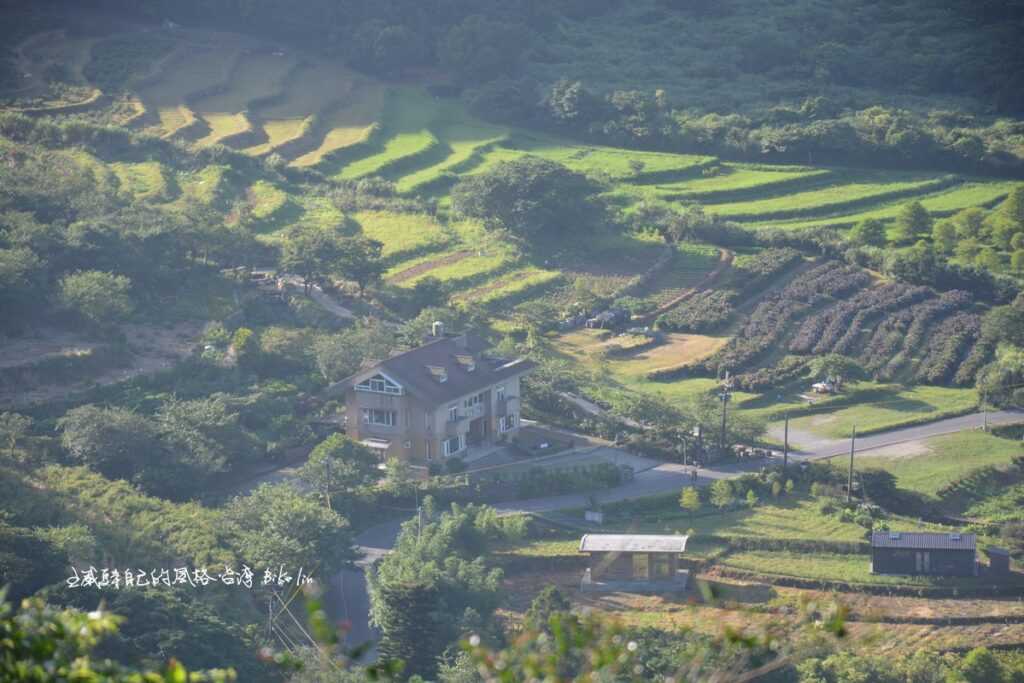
point(347, 594)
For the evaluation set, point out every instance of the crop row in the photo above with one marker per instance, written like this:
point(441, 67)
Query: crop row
point(838, 327)
point(947, 346)
point(902, 332)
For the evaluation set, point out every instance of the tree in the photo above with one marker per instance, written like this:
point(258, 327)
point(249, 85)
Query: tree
point(359, 260)
point(1017, 261)
point(13, 426)
point(337, 465)
point(870, 232)
point(116, 442)
point(480, 48)
point(970, 223)
point(276, 525)
point(944, 236)
point(548, 602)
point(752, 499)
point(988, 258)
point(531, 197)
point(99, 297)
point(837, 366)
point(1012, 208)
point(309, 252)
point(912, 222)
point(980, 664)
point(689, 500)
point(722, 494)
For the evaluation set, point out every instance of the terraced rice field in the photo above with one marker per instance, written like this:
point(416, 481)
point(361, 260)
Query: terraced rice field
point(199, 69)
point(403, 235)
point(829, 198)
point(465, 141)
point(309, 91)
point(512, 285)
point(349, 124)
point(257, 76)
point(408, 117)
point(943, 203)
point(733, 179)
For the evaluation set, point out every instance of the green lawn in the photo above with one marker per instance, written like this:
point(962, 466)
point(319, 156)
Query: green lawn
point(464, 138)
point(948, 459)
point(265, 199)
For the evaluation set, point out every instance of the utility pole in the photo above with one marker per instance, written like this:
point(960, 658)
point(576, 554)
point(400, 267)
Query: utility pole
point(724, 396)
point(984, 410)
point(785, 446)
point(849, 481)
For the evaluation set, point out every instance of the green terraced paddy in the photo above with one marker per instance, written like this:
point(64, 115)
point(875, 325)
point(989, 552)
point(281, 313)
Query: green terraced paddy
point(402, 234)
point(971, 194)
point(736, 179)
point(309, 90)
point(464, 271)
point(408, 116)
point(256, 76)
point(828, 198)
point(612, 162)
point(349, 124)
point(464, 140)
point(510, 285)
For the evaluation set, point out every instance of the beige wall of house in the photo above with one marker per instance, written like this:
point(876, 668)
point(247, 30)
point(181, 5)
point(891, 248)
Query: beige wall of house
point(418, 433)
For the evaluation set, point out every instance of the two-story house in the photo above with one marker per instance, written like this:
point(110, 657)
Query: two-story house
point(435, 401)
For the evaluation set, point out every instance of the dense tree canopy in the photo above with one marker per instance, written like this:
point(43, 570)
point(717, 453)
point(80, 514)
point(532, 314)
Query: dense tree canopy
point(531, 197)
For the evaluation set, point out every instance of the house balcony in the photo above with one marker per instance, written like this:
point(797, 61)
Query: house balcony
point(506, 406)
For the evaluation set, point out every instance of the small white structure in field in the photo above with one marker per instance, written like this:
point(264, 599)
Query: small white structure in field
point(823, 387)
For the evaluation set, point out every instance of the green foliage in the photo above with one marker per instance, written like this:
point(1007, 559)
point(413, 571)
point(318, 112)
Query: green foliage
point(912, 222)
point(531, 197)
point(337, 466)
point(13, 426)
point(689, 500)
point(275, 526)
point(435, 573)
point(868, 232)
point(548, 603)
point(46, 645)
point(101, 298)
point(722, 494)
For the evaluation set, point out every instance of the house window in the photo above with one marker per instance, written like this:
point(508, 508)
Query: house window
point(641, 569)
point(373, 416)
point(662, 567)
point(379, 384)
point(453, 413)
point(499, 392)
point(454, 444)
point(473, 400)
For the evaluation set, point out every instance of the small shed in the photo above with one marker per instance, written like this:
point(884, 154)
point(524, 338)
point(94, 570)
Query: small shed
point(634, 562)
point(923, 553)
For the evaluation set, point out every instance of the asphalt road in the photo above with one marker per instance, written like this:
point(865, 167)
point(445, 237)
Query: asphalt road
point(347, 595)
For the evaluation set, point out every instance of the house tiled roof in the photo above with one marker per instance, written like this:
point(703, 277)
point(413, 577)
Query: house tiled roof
point(417, 370)
point(633, 543)
point(916, 540)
